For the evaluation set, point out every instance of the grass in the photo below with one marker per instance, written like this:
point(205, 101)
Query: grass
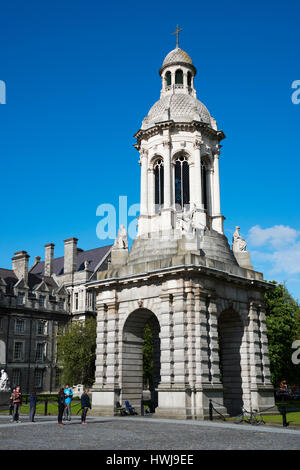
point(52, 409)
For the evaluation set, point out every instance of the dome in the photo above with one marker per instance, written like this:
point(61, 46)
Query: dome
point(177, 56)
point(178, 107)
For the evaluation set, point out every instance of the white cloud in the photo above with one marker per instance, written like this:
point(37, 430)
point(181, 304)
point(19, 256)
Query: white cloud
point(277, 237)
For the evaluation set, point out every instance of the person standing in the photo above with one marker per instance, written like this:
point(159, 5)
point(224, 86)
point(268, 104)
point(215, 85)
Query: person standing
point(85, 405)
point(32, 405)
point(68, 397)
point(17, 401)
point(61, 406)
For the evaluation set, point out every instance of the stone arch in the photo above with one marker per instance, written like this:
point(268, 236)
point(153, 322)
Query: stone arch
point(231, 332)
point(132, 355)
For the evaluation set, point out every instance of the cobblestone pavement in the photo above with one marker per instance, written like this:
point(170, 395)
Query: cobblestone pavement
point(138, 433)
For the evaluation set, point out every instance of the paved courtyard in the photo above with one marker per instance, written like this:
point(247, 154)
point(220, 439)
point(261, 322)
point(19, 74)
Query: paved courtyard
point(139, 433)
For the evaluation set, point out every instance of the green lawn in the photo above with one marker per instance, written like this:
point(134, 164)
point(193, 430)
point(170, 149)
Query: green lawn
point(292, 418)
point(52, 408)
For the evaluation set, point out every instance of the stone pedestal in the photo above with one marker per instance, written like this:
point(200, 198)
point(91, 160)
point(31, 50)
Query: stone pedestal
point(4, 400)
point(243, 259)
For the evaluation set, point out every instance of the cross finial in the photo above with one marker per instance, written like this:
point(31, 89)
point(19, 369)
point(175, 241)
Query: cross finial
point(177, 31)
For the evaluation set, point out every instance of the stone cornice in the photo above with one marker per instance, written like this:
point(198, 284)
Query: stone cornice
point(145, 134)
point(179, 270)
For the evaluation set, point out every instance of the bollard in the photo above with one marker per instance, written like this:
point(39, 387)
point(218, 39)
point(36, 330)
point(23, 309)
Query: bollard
point(284, 422)
point(210, 410)
point(46, 407)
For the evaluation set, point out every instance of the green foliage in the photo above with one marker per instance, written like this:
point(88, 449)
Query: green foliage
point(76, 352)
point(148, 357)
point(282, 317)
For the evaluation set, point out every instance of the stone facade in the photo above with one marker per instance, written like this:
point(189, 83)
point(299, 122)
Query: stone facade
point(36, 302)
point(202, 300)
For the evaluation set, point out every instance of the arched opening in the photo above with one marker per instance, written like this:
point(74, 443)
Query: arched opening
point(159, 184)
point(182, 182)
point(204, 185)
point(140, 374)
point(168, 78)
point(189, 79)
point(231, 331)
point(179, 77)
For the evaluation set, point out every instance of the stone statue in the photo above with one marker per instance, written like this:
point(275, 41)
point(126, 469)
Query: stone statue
point(238, 243)
point(121, 241)
point(186, 221)
point(86, 265)
point(4, 381)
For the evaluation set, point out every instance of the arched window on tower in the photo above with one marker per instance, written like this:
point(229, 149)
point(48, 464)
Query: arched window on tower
point(179, 77)
point(204, 184)
point(168, 78)
point(182, 182)
point(159, 184)
point(189, 79)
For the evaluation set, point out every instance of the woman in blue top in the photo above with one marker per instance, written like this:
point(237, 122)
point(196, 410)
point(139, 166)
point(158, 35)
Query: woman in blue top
point(68, 398)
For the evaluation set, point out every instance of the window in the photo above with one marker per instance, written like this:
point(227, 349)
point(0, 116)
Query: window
point(182, 182)
point(19, 326)
point(42, 299)
point(61, 304)
point(38, 378)
point(76, 301)
point(41, 327)
point(40, 352)
point(189, 79)
point(57, 377)
point(204, 185)
point(18, 350)
point(159, 184)
point(20, 299)
point(16, 378)
point(179, 77)
point(168, 78)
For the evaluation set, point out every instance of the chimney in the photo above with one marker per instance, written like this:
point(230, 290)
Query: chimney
point(20, 265)
point(70, 256)
point(49, 252)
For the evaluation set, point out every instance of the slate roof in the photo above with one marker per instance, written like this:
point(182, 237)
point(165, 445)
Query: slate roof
point(33, 279)
point(94, 257)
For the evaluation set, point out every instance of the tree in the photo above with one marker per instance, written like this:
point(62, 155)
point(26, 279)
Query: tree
point(148, 357)
point(76, 352)
point(282, 318)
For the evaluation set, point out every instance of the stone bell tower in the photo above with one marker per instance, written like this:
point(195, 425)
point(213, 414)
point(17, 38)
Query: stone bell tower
point(202, 300)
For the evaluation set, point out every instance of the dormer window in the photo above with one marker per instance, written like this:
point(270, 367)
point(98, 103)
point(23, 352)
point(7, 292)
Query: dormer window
point(179, 77)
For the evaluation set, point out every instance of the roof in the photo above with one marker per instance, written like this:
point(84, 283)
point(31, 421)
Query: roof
point(94, 257)
point(33, 279)
point(177, 56)
point(179, 107)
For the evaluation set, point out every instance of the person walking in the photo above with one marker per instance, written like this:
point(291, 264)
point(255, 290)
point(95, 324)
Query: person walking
point(32, 405)
point(17, 402)
point(61, 406)
point(68, 397)
point(85, 405)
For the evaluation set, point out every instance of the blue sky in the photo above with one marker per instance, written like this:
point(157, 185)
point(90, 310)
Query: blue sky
point(81, 76)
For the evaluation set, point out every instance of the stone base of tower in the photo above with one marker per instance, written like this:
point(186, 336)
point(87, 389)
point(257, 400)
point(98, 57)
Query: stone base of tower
point(262, 397)
point(190, 403)
point(104, 402)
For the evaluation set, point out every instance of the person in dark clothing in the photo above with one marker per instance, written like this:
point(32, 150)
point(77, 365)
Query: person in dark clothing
point(32, 405)
point(85, 405)
point(17, 401)
point(61, 406)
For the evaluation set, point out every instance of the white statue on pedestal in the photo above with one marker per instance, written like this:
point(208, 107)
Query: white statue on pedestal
point(186, 221)
point(4, 381)
point(121, 241)
point(238, 243)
